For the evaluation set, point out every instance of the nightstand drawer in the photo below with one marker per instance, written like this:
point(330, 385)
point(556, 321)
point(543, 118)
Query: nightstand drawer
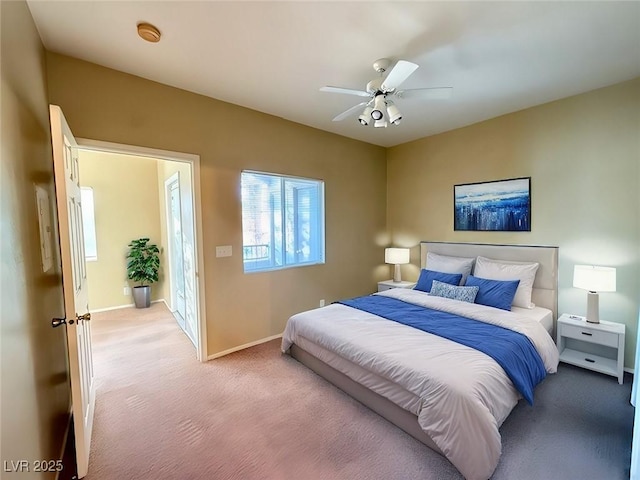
point(589, 335)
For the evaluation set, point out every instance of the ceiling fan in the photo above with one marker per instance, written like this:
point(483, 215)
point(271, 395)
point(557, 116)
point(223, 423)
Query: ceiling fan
point(381, 92)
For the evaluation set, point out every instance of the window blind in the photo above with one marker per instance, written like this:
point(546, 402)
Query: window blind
point(282, 221)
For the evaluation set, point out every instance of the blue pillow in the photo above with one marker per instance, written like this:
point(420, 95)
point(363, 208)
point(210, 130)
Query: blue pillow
point(428, 276)
point(446, 290)
point(494, 293)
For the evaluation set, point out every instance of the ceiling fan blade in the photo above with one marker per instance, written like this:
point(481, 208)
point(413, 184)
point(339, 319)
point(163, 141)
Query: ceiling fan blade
point(348, 91)
point(398, 74)
point(349, 112)
point(436, 93)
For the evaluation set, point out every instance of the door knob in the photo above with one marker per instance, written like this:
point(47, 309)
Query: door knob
point(86, 317)
point(56, 322)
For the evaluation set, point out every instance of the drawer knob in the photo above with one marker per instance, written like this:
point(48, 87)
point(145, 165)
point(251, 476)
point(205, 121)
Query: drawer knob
point(587, 334)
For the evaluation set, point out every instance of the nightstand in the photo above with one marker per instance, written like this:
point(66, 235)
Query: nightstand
point(389, 284)
point(596, 346)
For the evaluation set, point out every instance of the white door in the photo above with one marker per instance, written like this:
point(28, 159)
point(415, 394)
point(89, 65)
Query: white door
point(74, 279)
point(176, 248)
point(181, 260)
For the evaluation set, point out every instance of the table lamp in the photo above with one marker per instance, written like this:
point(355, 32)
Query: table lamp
point(397, 257)
point(594, 279)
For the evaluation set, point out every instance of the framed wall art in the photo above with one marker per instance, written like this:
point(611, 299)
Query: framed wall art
point(497, 206)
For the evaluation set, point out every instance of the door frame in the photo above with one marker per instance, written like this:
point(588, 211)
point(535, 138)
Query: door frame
point(194, 160)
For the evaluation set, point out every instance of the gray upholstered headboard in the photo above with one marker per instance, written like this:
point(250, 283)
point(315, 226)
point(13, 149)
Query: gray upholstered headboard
point(545, 286)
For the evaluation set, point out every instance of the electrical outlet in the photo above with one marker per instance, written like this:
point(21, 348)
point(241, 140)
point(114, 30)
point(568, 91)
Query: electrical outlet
point(322, 302)
point(127, 290)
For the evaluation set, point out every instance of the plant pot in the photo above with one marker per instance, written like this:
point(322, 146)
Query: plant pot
point(142, 296)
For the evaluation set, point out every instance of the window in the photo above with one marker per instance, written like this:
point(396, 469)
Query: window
point(88, 224)
point(282, 221)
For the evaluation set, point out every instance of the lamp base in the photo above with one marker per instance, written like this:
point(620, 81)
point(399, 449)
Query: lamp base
point(397, 278)
point(593, 308)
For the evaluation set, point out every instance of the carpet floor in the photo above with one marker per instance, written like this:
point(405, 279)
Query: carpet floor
point(258, 414)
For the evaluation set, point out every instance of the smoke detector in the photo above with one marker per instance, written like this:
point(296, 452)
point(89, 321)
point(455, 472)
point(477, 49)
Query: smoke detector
point(148, 32)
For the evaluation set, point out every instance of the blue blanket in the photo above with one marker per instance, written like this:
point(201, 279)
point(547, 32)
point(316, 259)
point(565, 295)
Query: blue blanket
point(513, 351)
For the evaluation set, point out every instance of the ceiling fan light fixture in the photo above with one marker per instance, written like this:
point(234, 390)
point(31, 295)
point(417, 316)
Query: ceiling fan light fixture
point(394, 114)
point(379, 107)
point(366, 115)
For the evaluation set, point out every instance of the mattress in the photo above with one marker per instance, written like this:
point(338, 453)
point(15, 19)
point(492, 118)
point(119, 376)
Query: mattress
point(539, 314)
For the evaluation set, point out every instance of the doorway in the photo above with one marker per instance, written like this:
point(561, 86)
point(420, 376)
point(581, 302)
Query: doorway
point(139, 175)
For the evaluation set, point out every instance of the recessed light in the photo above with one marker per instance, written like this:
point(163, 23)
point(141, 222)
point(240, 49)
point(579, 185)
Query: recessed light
point(148, 32)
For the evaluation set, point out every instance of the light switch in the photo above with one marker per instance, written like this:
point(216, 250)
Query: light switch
point(223, 251)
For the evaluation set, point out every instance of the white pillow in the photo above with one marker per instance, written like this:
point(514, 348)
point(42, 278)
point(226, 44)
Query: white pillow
point(506, 270)
point(446, 264)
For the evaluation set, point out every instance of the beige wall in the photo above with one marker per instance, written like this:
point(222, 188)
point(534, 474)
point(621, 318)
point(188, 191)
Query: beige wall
point(103, 104)
point(35, 394)
point(127, 206)
point(583, 156)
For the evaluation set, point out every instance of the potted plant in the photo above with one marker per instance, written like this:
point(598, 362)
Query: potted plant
point(142, 267)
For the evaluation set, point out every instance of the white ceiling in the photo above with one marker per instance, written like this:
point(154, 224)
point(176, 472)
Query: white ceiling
point(499, 57)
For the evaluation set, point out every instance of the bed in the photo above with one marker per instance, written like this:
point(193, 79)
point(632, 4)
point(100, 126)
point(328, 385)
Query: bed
point(450, 397)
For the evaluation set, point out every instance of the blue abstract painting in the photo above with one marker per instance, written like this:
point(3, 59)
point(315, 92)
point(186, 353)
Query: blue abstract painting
point(502, 205)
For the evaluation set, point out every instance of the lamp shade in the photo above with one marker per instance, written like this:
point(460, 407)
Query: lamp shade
point(396, 256)
point(594, 279)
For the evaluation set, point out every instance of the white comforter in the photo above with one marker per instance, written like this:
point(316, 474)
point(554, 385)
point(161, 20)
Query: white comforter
point(464, 394)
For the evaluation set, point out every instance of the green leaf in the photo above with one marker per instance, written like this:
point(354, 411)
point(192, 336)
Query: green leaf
point(143, 261)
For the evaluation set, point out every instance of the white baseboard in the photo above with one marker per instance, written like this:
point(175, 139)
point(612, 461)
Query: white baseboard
point(630, 370)
point(118, 307)
point(242, 347)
